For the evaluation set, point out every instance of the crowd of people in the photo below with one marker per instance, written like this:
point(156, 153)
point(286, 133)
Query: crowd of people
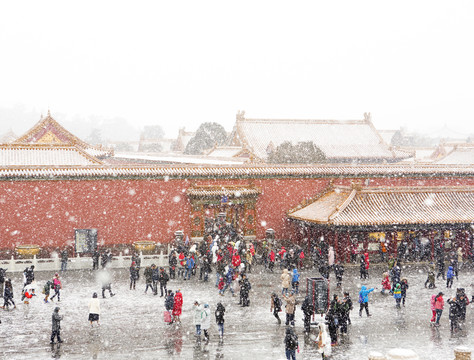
point(232, 261)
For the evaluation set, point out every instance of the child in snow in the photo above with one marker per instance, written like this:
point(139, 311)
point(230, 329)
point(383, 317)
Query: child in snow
point(29, 293)
point(295, 281)
point(46, 290)
point(449, 277)
point(404, 288)
point(386, 284)
point(431, 277)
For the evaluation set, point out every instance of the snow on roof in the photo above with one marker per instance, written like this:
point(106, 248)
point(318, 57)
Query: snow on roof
point(237, 171)
point(44, 155)
point(225, 151)
point(48, 131)
point(344, 206)
point(175, 159)
point(459, 155)
point(349, 139)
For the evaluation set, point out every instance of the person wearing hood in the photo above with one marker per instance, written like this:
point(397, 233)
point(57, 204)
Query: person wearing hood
point(206, 320)
point(134, 274)
point(285, 281)
point(94, 309)
point(245, 288)
point(397, 294)
point(290, 308)
point(275, 306)
point(339, 272)
point(220, 311)
point(197, 317)
point(56, 326)
point(291, 344)
point(57, 286)
point(454, 312)
point(308, 310)
point(439, 306)
point(404, 288)
point(177, 306)
point(364, 299)
point(8, 294)
point(323, 341)
point(295, 281)
point(47, 289)
point(449, 277)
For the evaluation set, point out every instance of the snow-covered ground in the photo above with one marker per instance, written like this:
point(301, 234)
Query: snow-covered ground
point(132, 324)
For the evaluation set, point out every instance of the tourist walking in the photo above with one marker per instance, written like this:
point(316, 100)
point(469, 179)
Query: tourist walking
point(94, 309)
point(364, 299)
point(57, 286)
point(8, 295)
point(206, 321)
point(404, 288)
point(285, 281)
point(439, 306)
point(197, 317)
point(291, 344)
point(56, 326)
point(177, 306)
point(134, 274)
point(47, 289)
point(449, 277)
point(220, 312)
point(290, 308)
point(163, 279)
point(148, 273)
point(295, 280)
point(275, 306)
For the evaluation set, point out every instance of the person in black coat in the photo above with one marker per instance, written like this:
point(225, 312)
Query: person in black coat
point(275, 306)
point(339, 272)
point(244, 290)
point(8, 295)
point(155, 277)
point(173, 262)
point(2, 280)
point(220, 311)
point(454, 313)
point(163, 279)
point(95, 260)
point(332, 327)
point(291, 343)
point(308, 311)
point(56, 326)
point(363, 271)
point(134, 271)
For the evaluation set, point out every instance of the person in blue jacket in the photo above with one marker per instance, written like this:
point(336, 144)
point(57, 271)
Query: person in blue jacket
point(364, 299)
point(189, 267)
point(449, 277)
point(295, 281)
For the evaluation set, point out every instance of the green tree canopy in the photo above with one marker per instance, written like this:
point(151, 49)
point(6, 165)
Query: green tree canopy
point(207, 136)
point(301, 153)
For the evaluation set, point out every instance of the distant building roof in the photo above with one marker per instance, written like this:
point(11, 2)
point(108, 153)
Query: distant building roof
point(49, 131)
point(144, 158)
point(44, 155)
point(459, 155)
point(183, 139)
point(340, 141)
point(236, 171)
point(387, 135)
point(8, 137)
point(345, 206)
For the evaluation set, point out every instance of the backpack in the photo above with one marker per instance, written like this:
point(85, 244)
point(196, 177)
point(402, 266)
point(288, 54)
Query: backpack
point(361, 299)
point(291, 342)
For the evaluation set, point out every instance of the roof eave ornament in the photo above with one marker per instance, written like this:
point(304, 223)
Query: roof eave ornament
point(367, 117)
point(240, 115)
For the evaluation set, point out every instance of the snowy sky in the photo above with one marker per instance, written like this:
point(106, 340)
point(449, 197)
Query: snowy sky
point(180, 63)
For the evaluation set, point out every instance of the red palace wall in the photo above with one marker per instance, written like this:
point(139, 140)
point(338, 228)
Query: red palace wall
point(46, 212)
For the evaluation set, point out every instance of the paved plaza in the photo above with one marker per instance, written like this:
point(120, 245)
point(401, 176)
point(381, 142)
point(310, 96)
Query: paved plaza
point(132, 324)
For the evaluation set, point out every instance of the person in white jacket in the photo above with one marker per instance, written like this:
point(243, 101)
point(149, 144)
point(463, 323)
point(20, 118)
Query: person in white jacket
point(197, 317)
point(323, 341)
point(94, 309)
point(206, 320)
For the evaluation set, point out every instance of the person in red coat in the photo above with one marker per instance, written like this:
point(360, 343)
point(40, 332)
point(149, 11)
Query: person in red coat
point(367, 263)
point(386, 284)
point(272, 260)
point(236, 260)
point(177, 306)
